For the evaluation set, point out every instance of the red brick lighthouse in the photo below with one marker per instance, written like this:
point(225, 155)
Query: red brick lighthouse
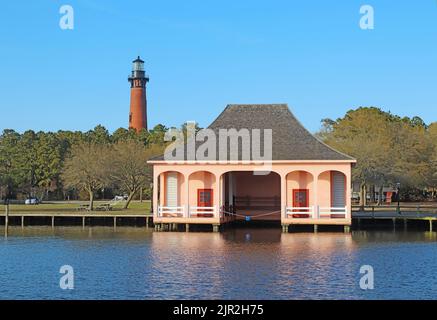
point(138, 101)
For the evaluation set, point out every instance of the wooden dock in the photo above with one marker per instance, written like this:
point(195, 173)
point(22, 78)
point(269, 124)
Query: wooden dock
point(396, 215)
point(362, 217)
point(86, 217)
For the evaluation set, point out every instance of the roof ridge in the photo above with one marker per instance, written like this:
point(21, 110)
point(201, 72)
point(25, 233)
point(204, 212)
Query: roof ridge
point(316, 138)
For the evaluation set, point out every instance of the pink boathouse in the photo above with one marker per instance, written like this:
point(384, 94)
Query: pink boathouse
point(307, 182)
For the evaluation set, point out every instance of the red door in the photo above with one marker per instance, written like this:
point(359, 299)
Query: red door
point(300, 200)
point(204, 199)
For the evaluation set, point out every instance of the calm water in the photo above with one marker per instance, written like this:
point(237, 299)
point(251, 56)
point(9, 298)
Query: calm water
point(135, 263)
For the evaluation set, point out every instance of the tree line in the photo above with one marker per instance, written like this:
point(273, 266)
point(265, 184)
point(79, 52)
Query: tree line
point(77, 165)
point(85, 165)
point(389, 149)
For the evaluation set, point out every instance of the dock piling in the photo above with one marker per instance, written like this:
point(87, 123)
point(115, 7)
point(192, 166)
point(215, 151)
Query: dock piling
point(215, 227)
point(53, 222)
point(316, 228)
point(187, 227)
point(6, 219)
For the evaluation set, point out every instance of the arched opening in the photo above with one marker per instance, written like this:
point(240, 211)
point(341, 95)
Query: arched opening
point(202, 188)
point(332, 194)
point(171, 193)
point(250, 196)
point(300, 195)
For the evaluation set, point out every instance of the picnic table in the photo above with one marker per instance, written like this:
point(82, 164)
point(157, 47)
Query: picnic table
point(83, 207)
point(104, 207)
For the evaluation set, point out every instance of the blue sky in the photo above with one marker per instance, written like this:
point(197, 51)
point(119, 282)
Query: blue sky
point(202, 55)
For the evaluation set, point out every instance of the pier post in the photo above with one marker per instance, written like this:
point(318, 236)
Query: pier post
point(430, 225)
point(147, 222)
point(215, 227)
point(6, 219)
point(394, 224)
point(316, 228)
point(115, 222)
point(22, 222)
point(284, 228)
point(83, 222)
point(347, 229)
point(53, 222)
point(187, 227)
point(405, 224)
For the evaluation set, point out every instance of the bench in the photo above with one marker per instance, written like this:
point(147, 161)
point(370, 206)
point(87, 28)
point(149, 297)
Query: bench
point(104, 207)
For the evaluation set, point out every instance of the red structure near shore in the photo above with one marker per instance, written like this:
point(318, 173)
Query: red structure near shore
point(138, 99)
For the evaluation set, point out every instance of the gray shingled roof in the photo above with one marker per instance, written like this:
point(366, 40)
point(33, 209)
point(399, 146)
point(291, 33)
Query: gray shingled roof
point(290, 140)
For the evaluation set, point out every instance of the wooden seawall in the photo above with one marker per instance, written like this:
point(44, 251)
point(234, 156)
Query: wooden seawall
point(86, 218)
point(397, 216)
point(362, 217)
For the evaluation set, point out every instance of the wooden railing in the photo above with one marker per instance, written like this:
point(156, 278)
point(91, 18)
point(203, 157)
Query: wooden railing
point(257, 203)
point(403, 208)
point(333, 212)
point(202, 212)
point(170, 211)
point(300, 212)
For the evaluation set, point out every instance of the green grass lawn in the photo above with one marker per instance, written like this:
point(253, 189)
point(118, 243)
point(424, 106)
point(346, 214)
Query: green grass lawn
point(54, 207)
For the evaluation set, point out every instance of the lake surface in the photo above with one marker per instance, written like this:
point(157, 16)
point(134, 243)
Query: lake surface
point(137, 263)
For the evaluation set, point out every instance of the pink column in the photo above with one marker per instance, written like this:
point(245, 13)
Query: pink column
point(283, 195)
point(155, 193)
point(349, 193)
point(316, 194)
point(186, 203)
point(216, 195)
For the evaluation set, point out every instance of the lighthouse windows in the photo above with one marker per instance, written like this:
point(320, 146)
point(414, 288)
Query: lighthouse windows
point(138, 66)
